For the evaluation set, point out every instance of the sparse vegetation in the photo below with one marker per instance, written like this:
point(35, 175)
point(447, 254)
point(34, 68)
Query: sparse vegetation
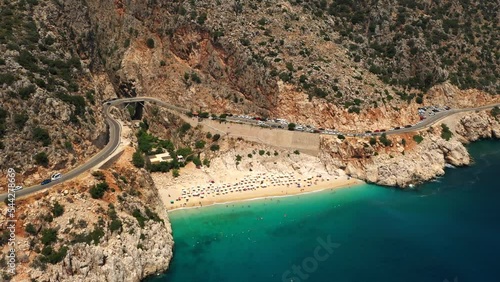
point(495, 112)
point(41, 135)
point(138, 159)
point(98, 190)
point(57, 209)
point(384, 140)
point(49, 236)
point(446, 134)
point(200, 144)
point(418, 138)
point(42, 159)
point(30, 229)
point(150, 42)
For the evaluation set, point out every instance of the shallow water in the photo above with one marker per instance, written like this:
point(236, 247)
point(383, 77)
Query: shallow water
point(447, 230)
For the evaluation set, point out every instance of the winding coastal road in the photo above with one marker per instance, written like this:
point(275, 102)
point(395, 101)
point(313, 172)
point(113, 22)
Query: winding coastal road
point(115, 133)
point(114, 141)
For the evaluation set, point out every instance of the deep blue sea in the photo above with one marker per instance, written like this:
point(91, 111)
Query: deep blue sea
point(447, 230)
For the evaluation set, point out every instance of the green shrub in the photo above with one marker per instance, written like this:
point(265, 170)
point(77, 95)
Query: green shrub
point(98, 190)
point(20, 119)
point(95, 235)
point(495, 111)
point(30, 229)
point(49, 255)
point(202, 18)
point(197, 161)
point(341, 137)
point(383, 139)
point(26, 92)
point(175, 172)
point(184, 128)
point(262, 152)
point(296, 152)
point(215, 147)
point(291, 126)
point(445, 132)
point(75, 100)
point(150, 43)
point(195, 77)
point(42, 159)
point(41, 135)
point(373, 141)
point(138, 159)
point(418, 138)
point(216, 137)
point(7, 78)
point(185, 151)
point(57, 209)
point(27, 60)
point(49, 236)
point(115, 225)
point(200, 144)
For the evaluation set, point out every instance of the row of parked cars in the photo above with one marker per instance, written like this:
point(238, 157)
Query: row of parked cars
point(54, 177)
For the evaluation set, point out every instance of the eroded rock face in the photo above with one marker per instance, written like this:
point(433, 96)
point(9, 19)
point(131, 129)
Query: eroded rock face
point(402, 165)
point(478, 125)
point(128, 253)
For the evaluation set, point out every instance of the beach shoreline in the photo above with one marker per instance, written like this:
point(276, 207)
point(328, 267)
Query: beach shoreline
point(242, 200)
point(199, 188)
point(242, 174)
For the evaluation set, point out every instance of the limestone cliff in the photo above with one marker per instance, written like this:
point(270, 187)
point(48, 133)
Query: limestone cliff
point(407, 162)
point(67, 235)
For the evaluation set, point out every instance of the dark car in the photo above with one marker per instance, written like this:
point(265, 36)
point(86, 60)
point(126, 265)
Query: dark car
point(46, 181)
point(408, 126)
point(397, 127)
point(382, 130)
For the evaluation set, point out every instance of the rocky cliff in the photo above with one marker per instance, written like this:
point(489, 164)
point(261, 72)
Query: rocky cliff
point(410, 158)
point(90, 231)
point(286, 59)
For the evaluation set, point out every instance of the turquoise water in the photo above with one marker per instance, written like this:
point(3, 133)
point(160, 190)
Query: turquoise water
point(445, 231)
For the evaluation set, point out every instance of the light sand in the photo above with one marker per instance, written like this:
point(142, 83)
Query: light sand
point(200, 191)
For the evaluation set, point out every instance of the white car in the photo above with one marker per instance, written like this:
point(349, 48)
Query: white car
point(55, 176)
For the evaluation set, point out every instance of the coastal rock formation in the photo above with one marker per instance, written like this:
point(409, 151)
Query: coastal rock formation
point(407, 162)
point(125, 236)
point(475, 126)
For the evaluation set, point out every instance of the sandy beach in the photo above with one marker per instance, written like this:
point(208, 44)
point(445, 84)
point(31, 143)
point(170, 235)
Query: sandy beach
point(198, 188)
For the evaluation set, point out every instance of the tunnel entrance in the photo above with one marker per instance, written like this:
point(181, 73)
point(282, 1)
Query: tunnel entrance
point(135, 110)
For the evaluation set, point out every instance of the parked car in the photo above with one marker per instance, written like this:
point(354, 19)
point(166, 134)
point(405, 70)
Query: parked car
point(46, 181)
point(408, 125)
point(55, 176)
point(397, 127)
